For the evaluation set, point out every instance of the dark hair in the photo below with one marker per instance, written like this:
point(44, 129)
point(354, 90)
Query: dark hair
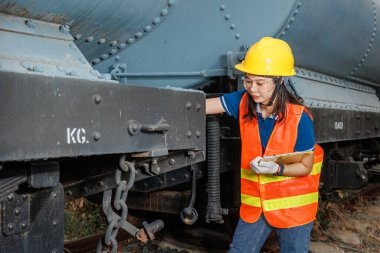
point(283, 96)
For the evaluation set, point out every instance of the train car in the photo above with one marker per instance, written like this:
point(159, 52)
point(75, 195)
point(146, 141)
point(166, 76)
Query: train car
point(108, 97)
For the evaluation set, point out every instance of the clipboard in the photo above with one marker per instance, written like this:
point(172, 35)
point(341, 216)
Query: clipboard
point(287, 158)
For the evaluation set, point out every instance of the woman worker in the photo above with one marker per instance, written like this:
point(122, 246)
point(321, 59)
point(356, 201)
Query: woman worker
point(281, 197)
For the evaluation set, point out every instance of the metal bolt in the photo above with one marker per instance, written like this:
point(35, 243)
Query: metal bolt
point(147, 28)
point(72, 73)
point(95, 61)
point(222, 7)
point(104, 56)
point(227, 17)
point(54, 195)
point(138, 35)
point(189, 134)
point(23, 225)
point(113, 43)
point(101, 183)
point(198, 107)
point(24, 197)
point(89, 39)
point(97, 99)
point(171, 161)
point(172, 179)
point(232, 26)
point(11, 226)
point(164, 12)
point(27, 65)
point(29, 23)
point(102, 41)
point(197, 134)
point(10, 197)
point(121, 46)
point(38, 69)
point(54, 223)
point(113, 51)
point(78, 36)
point(237, 36)
point(130, 40)
point(156, 20)
point(64, 29)
point(96, 135)
point(171, 2)
point(54, 250)
point(188, 105)
point(17, 211)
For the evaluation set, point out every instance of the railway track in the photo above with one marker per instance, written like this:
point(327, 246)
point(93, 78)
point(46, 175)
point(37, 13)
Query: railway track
point(174, 239)
point(202, 238)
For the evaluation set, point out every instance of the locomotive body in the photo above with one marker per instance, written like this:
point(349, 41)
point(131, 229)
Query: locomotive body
point(101, 96)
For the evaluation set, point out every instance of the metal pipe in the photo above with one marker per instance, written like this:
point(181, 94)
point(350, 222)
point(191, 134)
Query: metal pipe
point(203, 73)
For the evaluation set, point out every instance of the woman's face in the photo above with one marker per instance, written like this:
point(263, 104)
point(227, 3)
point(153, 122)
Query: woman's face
point(259, 87)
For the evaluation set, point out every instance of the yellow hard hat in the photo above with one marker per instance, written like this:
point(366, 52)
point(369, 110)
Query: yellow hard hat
point(268, 57)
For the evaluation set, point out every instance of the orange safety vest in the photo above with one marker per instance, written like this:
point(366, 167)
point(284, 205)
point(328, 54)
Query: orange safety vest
point(285, 201)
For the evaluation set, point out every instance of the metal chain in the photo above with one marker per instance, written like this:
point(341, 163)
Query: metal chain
point(116, 221)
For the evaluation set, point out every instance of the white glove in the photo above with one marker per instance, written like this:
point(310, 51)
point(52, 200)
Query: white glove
point(264, 167)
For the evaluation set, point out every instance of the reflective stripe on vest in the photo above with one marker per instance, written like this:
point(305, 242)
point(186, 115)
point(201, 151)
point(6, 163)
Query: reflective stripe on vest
point(290, 202)
point(251, 201)
point(286, 201)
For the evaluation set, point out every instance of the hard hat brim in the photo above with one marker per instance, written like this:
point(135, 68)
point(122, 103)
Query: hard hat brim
point(241, 68)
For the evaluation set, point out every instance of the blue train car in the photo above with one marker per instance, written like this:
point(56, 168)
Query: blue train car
point(108, 97)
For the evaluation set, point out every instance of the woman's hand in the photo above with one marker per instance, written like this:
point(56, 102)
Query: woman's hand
point(300, 169)
point(264, 167)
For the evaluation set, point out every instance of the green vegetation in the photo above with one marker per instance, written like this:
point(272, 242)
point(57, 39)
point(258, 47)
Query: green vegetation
point(83, 218)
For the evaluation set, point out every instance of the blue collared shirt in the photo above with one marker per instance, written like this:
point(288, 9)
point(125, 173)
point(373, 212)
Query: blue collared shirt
point(305, 138)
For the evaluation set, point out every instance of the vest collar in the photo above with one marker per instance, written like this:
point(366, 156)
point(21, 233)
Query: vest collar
point(258, 111)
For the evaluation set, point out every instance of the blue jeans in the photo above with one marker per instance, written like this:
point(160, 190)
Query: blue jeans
point(250, 237)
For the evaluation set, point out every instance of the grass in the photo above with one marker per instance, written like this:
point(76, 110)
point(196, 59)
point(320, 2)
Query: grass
point(83, 218)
